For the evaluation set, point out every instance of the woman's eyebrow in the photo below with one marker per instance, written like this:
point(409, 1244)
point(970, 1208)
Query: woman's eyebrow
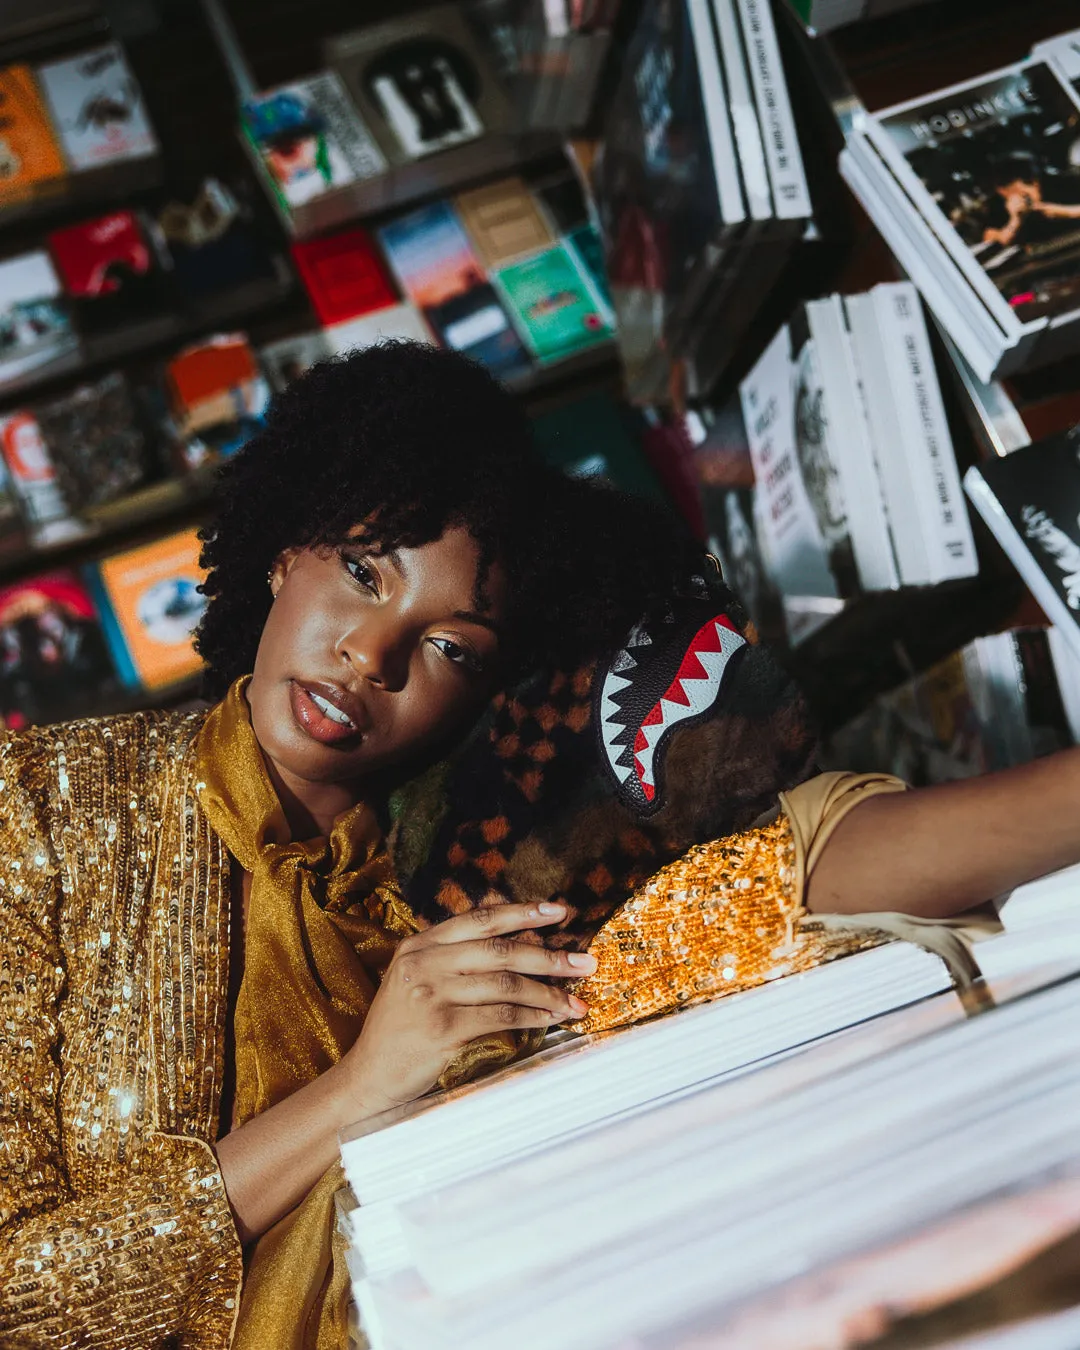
point(468, 616)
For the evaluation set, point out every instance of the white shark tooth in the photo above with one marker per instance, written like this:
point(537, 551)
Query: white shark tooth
point(623, 661)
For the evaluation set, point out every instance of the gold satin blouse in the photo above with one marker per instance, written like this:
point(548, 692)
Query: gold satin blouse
point(115, 1230)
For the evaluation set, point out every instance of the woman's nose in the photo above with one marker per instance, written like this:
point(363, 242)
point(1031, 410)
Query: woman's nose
point(375, 654)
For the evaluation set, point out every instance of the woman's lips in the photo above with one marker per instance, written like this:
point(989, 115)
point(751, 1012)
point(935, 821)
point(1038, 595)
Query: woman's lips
point(318, 724)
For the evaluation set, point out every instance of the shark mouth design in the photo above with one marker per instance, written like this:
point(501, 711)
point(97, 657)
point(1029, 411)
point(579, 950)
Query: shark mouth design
point(658, 681)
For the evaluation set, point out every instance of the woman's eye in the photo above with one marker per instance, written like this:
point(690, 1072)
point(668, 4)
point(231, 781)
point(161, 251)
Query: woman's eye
point(461, 656)
point(361, 572)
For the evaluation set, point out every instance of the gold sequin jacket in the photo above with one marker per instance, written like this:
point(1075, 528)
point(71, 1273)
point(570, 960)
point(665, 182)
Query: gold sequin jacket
point(114, 1225)
point(115, 1230)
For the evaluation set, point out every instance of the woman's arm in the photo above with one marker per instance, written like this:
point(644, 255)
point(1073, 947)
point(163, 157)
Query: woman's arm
point(459, 980)
point(940, 850)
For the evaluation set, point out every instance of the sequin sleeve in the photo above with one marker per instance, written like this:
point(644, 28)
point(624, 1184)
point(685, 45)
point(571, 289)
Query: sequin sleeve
point(148, 1261)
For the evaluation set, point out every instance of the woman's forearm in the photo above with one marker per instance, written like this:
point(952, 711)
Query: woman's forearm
point(937, 851)
point(270, 1163)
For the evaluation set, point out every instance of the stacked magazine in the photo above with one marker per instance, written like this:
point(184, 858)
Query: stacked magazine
point(1031, 501)
point(621, 1185)
point(700, 182)
point(855, 486)
point(976, 189)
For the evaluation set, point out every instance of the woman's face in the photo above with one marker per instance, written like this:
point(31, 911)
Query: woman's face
point(368, 661)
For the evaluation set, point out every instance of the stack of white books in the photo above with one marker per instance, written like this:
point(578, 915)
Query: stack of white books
point(619, 1185)
point(856, 483)
point(698, 224)
point(976, 189)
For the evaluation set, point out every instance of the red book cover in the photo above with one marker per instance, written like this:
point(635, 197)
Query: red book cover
point(92, 255)
point(344, 276)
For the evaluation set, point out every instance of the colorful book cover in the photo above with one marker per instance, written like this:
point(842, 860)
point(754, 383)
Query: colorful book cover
point(110, 272)
point(588, 249)
point(97, 108)
point(437, 267)
point(503, 221)
point(54, 658)
point(218, 398)
point(553, 303)
point(33, 475)
point(35, 327)
point(29, 153)
point(152, 607)
point(311, 138)
point(344, 276)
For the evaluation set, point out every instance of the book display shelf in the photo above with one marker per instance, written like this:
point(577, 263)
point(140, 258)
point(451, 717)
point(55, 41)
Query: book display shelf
point(169, 258)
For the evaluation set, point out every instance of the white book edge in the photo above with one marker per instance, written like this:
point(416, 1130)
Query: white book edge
point(867, 523)
point(936, 478)
point(905, 521)
point(1007, 535)
point(715, 103)
point(873, 125)
point(985, 361)
point(783, 158)
point(898, 214)
point(744, 118)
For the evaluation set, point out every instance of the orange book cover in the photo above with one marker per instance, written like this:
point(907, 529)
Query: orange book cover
point(29, 153)
point(152, 593)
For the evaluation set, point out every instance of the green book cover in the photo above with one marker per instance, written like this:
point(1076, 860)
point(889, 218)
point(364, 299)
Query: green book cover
point(553, 304)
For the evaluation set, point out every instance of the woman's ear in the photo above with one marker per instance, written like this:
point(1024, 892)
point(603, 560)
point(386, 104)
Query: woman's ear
point(281, 569)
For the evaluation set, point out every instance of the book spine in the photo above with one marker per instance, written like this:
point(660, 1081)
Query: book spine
point(714, 99)
point(110, 626)
point(743, 114)
point(849, 438)
point(918, 400)
point(791, 195)
point(901, 506)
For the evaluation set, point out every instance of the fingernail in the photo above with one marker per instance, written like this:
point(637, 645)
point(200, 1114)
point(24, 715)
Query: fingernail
point(548, 907)
point(581, 960)
point(578, 1005)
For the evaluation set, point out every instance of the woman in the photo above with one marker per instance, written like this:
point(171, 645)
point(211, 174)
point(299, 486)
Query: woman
point(208, 965)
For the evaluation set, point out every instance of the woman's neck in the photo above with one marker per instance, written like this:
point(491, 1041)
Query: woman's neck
point(312, 808)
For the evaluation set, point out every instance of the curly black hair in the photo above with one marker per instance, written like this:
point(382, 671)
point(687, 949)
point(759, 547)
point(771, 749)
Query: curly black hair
point(409, 440)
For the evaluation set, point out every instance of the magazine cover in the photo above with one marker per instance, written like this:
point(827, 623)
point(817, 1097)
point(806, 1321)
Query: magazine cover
point(33, 475)
point(395, 321)
point(54, 659)
point(438, 269)
point(151, 606)
point(35, 327)
point(1031, 501)
point(422, 84)
point(998, 157)
point(503, 221)
point(310, 138)
point(344, 275)
point(95, 440)
point(29, 153)
point(287, 360)
point(97, 108)
point(802, 519)
point(553, 304)
point(1062, 51)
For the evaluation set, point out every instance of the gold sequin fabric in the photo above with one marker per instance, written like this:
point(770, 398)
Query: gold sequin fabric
point(722, 918)
point(115, 1230)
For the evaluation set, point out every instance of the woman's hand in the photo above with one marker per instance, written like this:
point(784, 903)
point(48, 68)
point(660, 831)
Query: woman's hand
point(466, 976)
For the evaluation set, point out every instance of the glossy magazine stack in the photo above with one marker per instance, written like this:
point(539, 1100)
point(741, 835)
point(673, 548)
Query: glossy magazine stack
point(976, 189)
point(634, 1187)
